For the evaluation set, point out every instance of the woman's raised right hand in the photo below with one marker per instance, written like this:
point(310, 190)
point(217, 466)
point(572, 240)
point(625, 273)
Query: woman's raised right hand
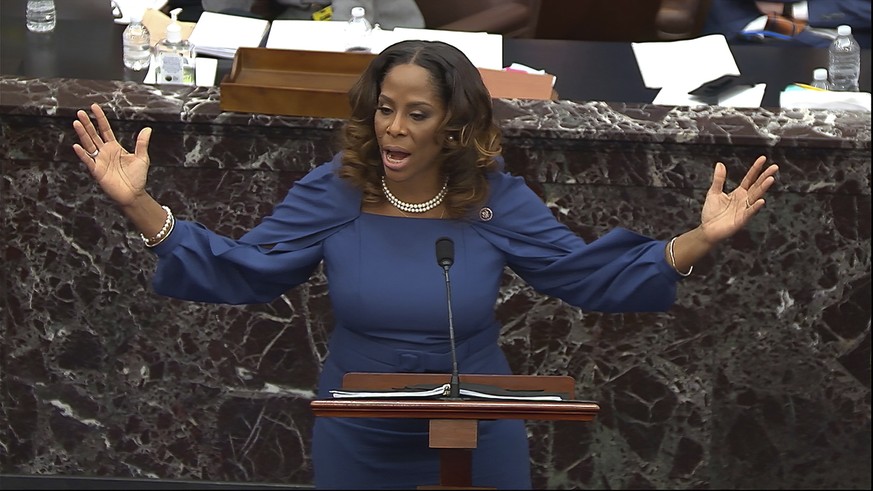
point(122, 175)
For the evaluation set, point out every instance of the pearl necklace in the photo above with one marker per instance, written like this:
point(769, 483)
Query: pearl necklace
point(416, 207)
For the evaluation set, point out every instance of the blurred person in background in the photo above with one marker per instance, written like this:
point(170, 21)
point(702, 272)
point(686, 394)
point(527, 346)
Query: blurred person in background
point(387, 13)
point(808, 23)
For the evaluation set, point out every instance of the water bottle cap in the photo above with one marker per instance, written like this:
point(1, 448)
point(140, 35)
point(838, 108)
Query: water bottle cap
point(357, 11)
point(820, 74)
point(844, 30)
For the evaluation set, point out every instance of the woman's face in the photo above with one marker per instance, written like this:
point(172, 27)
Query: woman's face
point(408, 115)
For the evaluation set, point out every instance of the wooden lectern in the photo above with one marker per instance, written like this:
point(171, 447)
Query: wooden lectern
point(454, 423)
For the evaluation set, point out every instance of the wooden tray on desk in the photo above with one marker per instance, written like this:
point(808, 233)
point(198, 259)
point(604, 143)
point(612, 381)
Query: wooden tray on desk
point(504, 84)
point(291, 82)
point(316, 83)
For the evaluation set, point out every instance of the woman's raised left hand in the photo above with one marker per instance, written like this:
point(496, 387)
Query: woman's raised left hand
point(724, 214)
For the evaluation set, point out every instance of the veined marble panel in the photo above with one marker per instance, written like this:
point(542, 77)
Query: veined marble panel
point(758, 377)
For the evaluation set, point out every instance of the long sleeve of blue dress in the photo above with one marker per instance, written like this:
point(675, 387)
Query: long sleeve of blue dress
point(279, 253)
point(619, 272)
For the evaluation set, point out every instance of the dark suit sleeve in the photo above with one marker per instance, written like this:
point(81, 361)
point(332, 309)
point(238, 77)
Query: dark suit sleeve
point(832, 13)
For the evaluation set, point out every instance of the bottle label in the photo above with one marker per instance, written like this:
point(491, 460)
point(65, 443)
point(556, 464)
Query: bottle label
point(170, 70)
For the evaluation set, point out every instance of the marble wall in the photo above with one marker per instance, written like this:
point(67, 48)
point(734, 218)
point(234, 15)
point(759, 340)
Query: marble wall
point(759, 377)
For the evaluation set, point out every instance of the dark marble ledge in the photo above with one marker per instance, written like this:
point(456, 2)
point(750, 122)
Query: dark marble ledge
point(10, 481)
point(548, 120)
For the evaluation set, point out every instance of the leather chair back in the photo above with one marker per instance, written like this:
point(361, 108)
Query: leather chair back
point(511, 18)
point(681, 19)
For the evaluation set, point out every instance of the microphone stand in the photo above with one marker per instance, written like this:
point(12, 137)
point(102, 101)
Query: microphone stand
point(445, 252)
point(455, 382)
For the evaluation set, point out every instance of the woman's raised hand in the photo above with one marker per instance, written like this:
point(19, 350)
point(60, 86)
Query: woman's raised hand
point(724, 214)
point(122, 175)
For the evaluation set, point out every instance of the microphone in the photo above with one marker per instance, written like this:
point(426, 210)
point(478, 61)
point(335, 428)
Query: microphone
point(445, 254)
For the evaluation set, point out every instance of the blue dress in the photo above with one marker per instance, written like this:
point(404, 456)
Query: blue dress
point(389, 303)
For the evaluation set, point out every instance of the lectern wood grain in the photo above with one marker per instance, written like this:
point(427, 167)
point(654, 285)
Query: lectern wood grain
point(454, 433)
point(292, 82)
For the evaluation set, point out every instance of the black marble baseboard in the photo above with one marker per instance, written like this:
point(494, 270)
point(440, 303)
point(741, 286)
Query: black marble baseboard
point(8, 482)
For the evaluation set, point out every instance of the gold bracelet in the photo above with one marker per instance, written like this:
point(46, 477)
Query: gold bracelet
point(169, 223)
point(673, 259)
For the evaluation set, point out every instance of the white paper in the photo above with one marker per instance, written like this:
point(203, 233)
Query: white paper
point(311, 35)
point(748, 96)
point(483, 49)
point(222, 34)
point(824, 99)
point(525, 69)
point(302, 35)
point(441, 390)
point(358, 394)
point(688, 63)
point(205, 70)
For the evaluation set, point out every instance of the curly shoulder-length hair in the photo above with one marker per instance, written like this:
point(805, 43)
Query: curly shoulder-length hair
point(469, 135)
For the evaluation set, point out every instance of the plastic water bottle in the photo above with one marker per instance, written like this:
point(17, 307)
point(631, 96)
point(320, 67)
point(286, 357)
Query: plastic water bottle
point(358, 32)
point(40, 15)
point(820, 79)
point(137, 48)
point(844, 61)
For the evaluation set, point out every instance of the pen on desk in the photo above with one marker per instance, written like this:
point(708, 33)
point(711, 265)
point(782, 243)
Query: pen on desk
point(810, 87)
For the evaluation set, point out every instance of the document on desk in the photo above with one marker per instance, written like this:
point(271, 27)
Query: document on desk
point(678, 67)
point(221, 35)
point(685, 63)
point(306, 35)
point(485, 50)
point(794, 97)
point(745, 96)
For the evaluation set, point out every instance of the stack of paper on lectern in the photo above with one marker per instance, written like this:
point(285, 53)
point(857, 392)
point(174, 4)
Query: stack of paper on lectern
point(474, 391)
point(222, 34)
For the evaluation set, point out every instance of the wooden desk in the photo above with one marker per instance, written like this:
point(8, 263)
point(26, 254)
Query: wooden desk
point(607, 71)
point(585, 70)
